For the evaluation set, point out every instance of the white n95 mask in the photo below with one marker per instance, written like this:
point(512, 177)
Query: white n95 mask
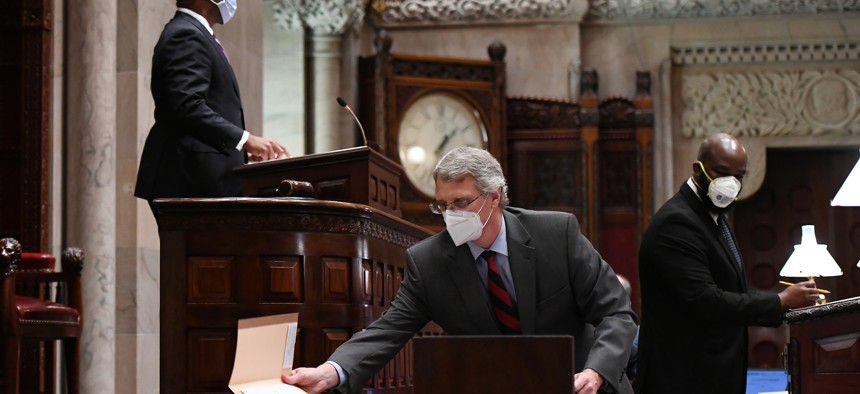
point(227, 9)
point(723, 190)
point(465, 226)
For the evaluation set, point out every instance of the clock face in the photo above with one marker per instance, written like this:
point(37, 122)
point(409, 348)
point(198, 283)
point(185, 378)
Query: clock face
point(432, 126)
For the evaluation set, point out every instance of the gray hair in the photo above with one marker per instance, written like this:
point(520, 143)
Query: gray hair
point(478, 163)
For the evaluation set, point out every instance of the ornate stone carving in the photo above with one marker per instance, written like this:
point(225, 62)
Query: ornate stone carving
point(406, 12)
point(321, 16)
point(766, 53)
point(771, 103)
point(672, 9)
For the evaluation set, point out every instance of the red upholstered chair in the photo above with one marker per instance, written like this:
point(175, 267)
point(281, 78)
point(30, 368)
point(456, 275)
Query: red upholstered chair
point(34, 318)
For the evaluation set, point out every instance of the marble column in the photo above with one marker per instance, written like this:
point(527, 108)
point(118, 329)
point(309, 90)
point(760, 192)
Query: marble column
point(325, 83)
point(327, 21)
point(91, 174)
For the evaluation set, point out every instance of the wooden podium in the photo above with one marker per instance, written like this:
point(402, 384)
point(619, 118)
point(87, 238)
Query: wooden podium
point(360, 175)
point(824, 348)
point(493, 364)
point(338, 264)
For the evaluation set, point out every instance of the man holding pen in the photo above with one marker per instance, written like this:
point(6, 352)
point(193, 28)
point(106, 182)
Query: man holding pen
point(695, 303)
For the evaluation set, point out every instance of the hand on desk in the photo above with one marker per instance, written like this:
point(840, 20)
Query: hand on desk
point(262, 149)
point(798, 296)
point(587, 382)
point(313, 380)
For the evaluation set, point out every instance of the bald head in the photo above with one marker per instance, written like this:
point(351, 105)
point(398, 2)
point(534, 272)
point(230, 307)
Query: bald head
point(722, 155)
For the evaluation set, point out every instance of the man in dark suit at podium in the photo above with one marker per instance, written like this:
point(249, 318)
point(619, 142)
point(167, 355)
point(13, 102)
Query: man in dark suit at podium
point(695, 303)
point(199, 133)
point(494, 270)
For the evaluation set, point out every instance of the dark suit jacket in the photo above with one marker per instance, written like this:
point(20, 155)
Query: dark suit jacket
point(695, 304)
point(563, 287)
point(191, 149)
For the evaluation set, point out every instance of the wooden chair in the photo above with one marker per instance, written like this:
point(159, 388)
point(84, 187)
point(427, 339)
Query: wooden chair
point(35, 318)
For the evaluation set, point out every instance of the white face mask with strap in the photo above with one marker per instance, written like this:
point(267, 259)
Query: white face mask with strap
point(723, 190)
point(227, 9)
point(465, 226)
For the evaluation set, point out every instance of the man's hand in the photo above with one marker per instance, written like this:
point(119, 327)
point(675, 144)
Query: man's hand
point(313, 380)
point(799, 295)
point(587, 382)
point(262, 149)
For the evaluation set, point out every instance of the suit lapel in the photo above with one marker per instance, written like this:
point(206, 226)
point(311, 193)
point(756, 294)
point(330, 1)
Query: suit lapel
point(523, 271)
point(699, 207)
point(213, 47)
point(465, 275)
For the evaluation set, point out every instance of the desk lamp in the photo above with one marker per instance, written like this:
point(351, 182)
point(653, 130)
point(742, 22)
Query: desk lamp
point(810, 259)
point(849, 194)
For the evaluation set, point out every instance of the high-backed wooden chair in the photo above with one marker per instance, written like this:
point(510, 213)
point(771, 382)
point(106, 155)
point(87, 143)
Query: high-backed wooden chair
point(35, 318)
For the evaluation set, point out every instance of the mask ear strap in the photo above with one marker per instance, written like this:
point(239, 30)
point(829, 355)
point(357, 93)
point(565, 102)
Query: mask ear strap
point(702, 166)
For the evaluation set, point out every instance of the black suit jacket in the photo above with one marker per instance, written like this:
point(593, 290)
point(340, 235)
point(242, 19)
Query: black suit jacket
point(695, 304)
point(191, 149)
point(563, 287)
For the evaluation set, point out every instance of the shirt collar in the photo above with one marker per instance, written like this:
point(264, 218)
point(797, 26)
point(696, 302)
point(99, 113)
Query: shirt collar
point(500, 245)
point(696, 191)
point(199, 18)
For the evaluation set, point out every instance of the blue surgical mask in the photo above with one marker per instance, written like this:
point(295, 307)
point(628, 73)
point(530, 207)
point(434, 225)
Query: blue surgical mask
point(227, 9)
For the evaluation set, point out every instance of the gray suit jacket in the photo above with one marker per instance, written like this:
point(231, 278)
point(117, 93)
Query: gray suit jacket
point(563, 287)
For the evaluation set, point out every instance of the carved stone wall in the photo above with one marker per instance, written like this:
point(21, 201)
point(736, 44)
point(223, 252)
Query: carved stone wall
point(771, 103)
point(799, 94)
point(675, 9)
point(410, 12)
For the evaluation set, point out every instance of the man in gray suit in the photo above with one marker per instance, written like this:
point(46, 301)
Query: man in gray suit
point(494, 270)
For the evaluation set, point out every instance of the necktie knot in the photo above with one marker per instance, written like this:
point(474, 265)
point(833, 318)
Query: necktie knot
point(488, 254)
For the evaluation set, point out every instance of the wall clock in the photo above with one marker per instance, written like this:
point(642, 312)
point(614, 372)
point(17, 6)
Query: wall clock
point(432, 125)
point(420, 107)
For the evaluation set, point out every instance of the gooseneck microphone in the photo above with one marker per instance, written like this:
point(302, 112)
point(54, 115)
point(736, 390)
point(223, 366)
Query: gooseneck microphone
point(342, 103)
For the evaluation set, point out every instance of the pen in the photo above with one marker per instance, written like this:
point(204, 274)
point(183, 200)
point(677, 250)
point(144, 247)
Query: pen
point(822, 291)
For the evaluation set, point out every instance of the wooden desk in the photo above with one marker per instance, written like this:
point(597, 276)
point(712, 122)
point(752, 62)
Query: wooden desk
point(337, 264)
point(824, 348)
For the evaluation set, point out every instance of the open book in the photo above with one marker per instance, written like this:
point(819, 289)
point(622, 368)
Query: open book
point(264, 350)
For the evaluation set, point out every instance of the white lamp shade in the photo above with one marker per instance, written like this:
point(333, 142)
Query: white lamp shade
point(810, 258)
point(849, 194)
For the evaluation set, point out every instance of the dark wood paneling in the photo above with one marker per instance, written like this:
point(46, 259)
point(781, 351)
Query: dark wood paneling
point(256, 257)
point(25, 104)
point(796, 191)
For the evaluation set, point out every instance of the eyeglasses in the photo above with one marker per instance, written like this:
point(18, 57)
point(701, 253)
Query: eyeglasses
point(439, 206)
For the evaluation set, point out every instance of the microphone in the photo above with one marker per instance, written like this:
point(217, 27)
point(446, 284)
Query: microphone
point(342, 103)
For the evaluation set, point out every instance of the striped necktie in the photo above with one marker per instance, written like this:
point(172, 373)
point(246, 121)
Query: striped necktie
point(504, 306)
point(724, 229)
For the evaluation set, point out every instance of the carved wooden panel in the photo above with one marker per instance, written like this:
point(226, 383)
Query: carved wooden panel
point(378, 284)
point(211, 279)
point(212, 364)
point(285, 279)
point(326, 260)
point(824, 351)
point(592, 159)
point(336, 280)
